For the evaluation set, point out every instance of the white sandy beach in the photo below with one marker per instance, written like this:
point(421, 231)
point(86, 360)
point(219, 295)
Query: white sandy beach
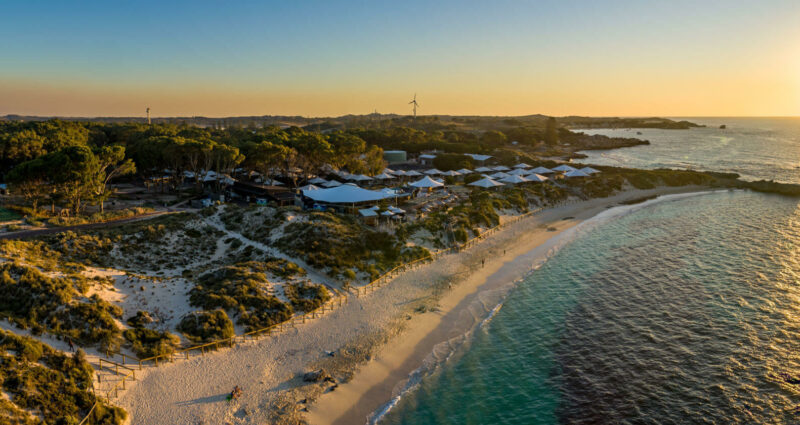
point(269, 370)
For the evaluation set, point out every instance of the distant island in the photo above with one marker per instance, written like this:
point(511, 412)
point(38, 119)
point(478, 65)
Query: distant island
point(654, 122)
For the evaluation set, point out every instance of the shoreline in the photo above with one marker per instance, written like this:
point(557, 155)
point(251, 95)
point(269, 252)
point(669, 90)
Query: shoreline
point(375, 385)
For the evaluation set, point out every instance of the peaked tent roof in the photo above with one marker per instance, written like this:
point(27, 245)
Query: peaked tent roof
point(589, 170)
point(500, 168)
point(518, 172)
point(346, 194)
point(485, 183)
point(575, 173)
point(451, 173)
point(317, 180)
point(499, 175)
point(332, 183)
point(413, 173)
point(426, 182)
point(432, 172)
point(477, 157)
point(514, 179)
point(397, 172)
point(522, 165)
point(383, 176)
point(536, 178)
point(388, 171)
point(565, 168)
point(483, 169)
point(368, 212)
point(465, 171)
point(309, 187)
point(542, 170)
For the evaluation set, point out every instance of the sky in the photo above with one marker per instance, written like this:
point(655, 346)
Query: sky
point(330, 58)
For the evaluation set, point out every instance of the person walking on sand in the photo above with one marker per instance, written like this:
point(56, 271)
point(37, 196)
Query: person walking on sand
point(483, 262)
point(71, 346)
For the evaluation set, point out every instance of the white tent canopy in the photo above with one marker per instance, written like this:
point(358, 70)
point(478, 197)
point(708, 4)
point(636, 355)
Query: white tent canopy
point(522, 165)
point(499, 175)
point(514, 179)
point(486, 183)
point(500, 168)
point(317, 180)
point(368, 212)
point(564, 168)
point(575, 173)
point(451, 173)
point(433, 172)
point(427, 182)
point(413, 173)
point(388, 171)
point(332, 183)
point(309, 187)
point(384, 176)
point(465, 171)
point(542, 170)
point(346, 194)
point(536, 178)
point(359, 177)
point(518, 172)
point(589, 170)
point(483, 170)
point(397, 172)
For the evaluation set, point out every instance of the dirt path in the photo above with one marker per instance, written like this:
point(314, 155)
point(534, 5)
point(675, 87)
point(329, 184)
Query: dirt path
point(27, 234)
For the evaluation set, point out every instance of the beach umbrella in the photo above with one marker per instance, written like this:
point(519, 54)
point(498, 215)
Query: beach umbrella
point(542, 170)
point(522, 165)
point(575, 173)
point(589, 170)
point(564, 168)
point(514, 179)
point(536, 178)
point(485, 183)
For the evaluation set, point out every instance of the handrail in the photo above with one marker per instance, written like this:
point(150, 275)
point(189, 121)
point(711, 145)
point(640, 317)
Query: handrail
point(232, 340)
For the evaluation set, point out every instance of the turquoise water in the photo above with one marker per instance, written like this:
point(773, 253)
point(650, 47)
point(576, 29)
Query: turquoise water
point(756, 148)
point(681, 311)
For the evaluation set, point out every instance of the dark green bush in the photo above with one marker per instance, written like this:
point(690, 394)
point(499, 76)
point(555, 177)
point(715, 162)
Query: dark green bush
point(206, 326)
point(149, 342)
point(306, 296)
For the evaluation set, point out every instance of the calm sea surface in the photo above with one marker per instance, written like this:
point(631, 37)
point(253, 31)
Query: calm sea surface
point(685, 310)
point(756, 148)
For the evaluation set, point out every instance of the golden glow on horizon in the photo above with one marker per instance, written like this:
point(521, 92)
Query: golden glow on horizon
point(743, 91)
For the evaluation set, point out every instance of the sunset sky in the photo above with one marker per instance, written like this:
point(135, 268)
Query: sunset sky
point(324, 58)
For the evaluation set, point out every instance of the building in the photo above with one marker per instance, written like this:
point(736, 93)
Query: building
point(395, 157)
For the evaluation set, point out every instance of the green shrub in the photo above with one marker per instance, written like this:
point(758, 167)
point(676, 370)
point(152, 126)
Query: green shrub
point(242, 290)
point(53, 384)
point(306, 296)
point(206, 326)
point(149, 342)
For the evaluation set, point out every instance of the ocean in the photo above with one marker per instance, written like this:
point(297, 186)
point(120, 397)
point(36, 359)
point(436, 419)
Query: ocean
point(683, 309)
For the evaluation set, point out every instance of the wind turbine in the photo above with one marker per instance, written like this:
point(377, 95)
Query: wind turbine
point(414, 102)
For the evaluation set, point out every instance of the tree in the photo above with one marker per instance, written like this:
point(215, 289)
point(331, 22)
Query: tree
point(452, 161)
point(494, 138)
point(266, 156)
point(312, 149)
point(111, 163)
point(551, 131)
point(29, 180)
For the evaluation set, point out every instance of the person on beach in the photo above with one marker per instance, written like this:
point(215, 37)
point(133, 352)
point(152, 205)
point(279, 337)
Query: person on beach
point(483, 262)
point(236, 393)
point(71, 346)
